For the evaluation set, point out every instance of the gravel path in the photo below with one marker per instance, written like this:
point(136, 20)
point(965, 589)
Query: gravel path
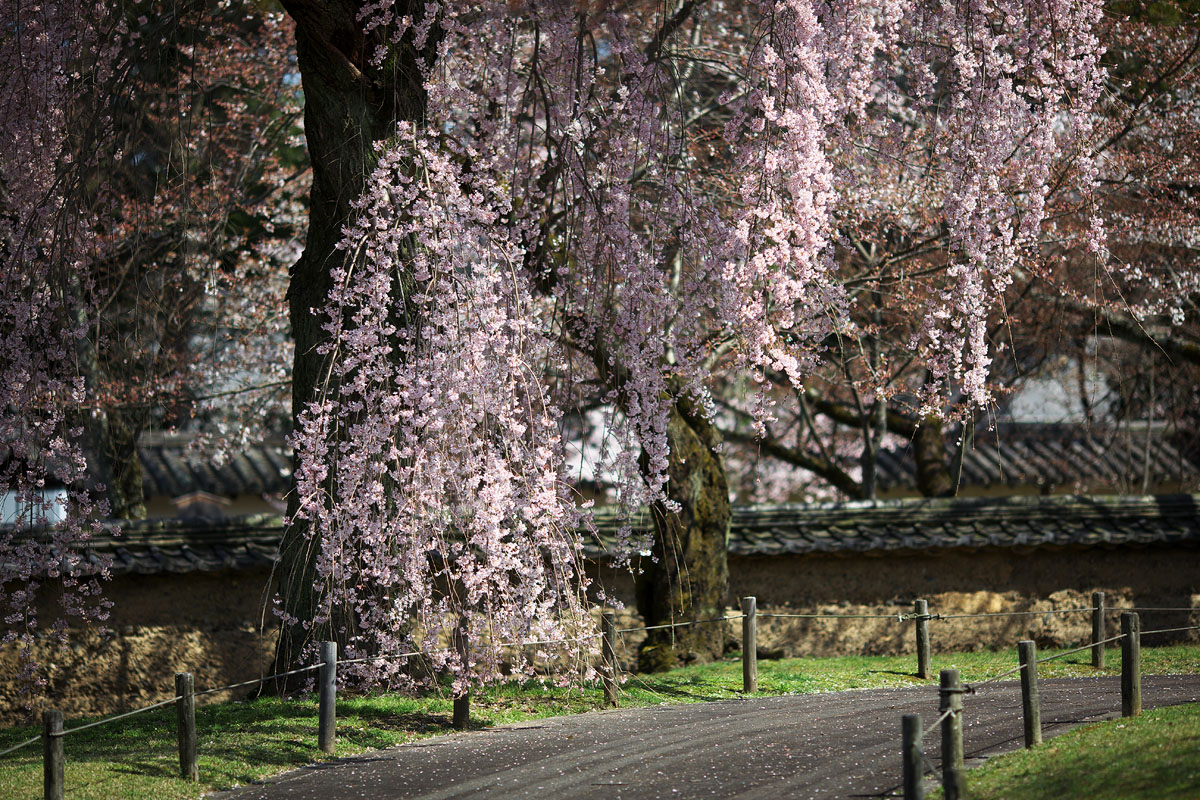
point(837, 745)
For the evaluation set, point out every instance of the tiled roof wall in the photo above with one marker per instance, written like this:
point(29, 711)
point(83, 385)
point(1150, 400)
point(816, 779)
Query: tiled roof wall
point(1045, 455)
point(171, 469)
point(176, 546)
point(1074, 457)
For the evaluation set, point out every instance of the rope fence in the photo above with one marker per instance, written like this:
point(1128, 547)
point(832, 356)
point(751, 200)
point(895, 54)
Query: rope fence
point(687, 624)
point(610, 670)
point(1011, 613)
point(951, 691)
point(25, 743)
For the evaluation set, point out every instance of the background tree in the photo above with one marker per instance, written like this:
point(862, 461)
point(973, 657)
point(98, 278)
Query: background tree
point(207, 179)
point(1110, 318)
point(147, 155)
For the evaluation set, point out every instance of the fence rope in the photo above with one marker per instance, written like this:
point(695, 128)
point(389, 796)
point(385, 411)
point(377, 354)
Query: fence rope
point(583, 638)
point(262, 680)
point(25, 743)
point(898, 617)
point(107, 720)
point(257, 680)
point(1172, 630)
point(387, 656)
point(1149, 608)
point(1011, 613)
point(973, 686)
point(1082, 648)
point(935, 723)
point(681, 624)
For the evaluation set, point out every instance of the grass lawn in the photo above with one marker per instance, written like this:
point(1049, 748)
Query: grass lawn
point(1152, 757)
point(246, 741)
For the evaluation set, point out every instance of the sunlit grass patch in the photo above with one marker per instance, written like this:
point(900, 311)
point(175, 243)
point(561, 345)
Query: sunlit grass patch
point(1152, 757)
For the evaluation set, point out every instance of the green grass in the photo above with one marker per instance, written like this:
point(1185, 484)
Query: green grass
point(1152, 757)
point(247, 741)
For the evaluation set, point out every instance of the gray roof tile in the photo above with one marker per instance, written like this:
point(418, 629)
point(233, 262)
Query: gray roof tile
point(895, 526)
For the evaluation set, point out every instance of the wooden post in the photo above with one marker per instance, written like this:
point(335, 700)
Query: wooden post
point(921, 610)
point(52, 754)
point(185, 725)
point(608, 657)
point(1131, 665)
point(1098, 630)
point(749, 645)
point(954, 779)
point(327, 699)
point(914, 773)
point(462, 705)
point(1030, 701)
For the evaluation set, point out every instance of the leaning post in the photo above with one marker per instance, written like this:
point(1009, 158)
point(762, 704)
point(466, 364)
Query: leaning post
point(1131, 664)
point(954, 779)
point(749, 645)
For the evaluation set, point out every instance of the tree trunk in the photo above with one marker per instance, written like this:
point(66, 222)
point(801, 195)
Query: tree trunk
point(110, 440)
point(349, 106)
point(689, 578)
point(929, 451)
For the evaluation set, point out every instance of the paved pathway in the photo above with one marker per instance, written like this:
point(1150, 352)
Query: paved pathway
point(837, 745)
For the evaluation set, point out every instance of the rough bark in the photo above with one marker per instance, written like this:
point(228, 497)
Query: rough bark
point(689, 577)
point(349, 107)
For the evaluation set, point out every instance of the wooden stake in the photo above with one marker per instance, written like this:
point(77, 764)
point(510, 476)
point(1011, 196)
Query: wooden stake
point(1030, 701)
point(327, 699)
point(608, 657)
point(185, 725)
point(1098, 630)
point(462, 705)
point(914, 772)
point(924, 652)
point(1131, 665)
point(954, 779)
point(53, 755)
point(749, 645)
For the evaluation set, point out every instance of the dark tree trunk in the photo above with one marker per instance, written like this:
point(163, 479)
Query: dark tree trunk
point(929, 452)
point(110, 441)
point(689, 579)
point(126, 498)
point(349, 106)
